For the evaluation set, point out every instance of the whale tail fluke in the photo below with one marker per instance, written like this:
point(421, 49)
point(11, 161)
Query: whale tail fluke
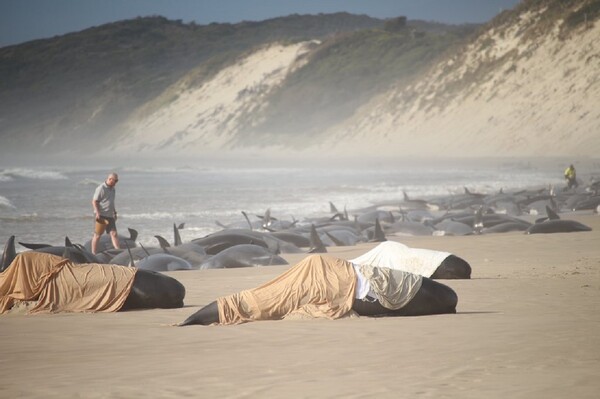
point(132, 234)
point(177, 237)
point(164, 244)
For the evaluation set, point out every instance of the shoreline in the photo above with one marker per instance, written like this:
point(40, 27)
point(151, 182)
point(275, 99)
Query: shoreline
point(526, 327)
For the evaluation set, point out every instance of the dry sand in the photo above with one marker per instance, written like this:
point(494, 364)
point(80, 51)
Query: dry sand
point(527, 326)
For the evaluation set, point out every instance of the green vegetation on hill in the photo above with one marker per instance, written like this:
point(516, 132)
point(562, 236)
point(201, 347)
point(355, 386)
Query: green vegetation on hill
point(346, 71)
point(84, 84)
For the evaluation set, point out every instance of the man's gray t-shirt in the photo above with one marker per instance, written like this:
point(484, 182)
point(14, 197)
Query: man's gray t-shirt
point(106, 200)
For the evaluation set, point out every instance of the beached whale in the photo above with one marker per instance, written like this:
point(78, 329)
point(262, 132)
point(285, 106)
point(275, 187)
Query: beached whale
point(191, 252)
point(557, 226)
point(505, 228)
point(8, 254)
point(297, 239)
point(105, 242)
point(412, 203)
point(75, 253)
point(84, 288)
point(163, 262)
point(453, 228)
point(424, 262)
point(554, 224)
point(153, 290)
point(126, 256)
point(243, 255)
point(406, 227)
point(219, 241)
point(327, 287)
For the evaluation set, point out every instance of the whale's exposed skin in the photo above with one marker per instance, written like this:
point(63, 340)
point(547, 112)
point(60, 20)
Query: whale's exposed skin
point(557, 226)
point(244, 255)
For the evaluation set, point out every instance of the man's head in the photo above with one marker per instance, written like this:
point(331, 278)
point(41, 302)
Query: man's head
point(112, 179)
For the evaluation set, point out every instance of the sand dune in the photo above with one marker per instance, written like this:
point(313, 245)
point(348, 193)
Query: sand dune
point(526, 327)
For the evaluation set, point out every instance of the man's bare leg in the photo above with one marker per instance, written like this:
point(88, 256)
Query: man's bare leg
point(115, 239)
point(95, 239)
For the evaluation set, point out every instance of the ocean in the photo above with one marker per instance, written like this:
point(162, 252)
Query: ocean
point(44, 205)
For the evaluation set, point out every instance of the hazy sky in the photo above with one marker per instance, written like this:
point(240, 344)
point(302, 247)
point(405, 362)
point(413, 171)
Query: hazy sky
point(24, 20)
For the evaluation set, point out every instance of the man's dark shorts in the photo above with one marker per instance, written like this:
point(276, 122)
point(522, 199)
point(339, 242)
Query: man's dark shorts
point(105, 224)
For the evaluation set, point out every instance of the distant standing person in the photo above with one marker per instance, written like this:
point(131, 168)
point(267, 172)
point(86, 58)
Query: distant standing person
point(104, 211)
point(571, 176)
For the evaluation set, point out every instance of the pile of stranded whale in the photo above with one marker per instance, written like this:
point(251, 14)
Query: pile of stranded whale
point(260, 242)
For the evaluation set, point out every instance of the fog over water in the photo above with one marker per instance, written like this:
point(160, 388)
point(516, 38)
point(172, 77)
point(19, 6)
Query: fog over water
point(45, 204)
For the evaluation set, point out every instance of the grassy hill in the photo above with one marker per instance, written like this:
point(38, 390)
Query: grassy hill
point(70, 88)
point(345, 72)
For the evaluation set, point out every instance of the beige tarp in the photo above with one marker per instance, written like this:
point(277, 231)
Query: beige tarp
point(318, 286)
point(61, 286)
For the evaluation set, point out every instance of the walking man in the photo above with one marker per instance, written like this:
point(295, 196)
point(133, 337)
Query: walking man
point(104, 211)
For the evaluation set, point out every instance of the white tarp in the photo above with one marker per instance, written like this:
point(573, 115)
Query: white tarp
point(395, 255)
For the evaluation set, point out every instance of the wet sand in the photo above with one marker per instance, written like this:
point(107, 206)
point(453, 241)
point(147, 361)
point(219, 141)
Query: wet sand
point(526, 326)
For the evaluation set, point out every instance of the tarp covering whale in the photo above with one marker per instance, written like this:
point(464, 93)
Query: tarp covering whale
point(58, 285)
point(395, 255)
point(318, 287)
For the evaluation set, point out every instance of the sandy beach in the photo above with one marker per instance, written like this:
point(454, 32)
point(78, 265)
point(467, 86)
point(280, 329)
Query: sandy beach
point(526, 327)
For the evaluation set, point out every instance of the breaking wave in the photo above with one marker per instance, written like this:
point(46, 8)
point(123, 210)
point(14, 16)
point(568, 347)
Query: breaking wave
point(5, 203)
point(24, 173)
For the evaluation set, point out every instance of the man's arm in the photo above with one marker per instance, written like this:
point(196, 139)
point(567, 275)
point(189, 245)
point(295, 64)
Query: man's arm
point(96, 209)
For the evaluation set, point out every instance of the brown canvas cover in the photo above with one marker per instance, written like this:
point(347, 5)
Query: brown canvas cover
point(58, 285)
point(318, 286)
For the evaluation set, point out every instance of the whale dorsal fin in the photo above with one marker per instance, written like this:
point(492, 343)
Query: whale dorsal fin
point(551, 214)
point(379, 235)
point(316, 245)
point(9, 253)
point(332, 208)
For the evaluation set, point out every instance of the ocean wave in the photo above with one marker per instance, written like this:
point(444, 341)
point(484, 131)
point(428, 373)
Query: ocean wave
point(35, 217)
point(25, 173)
point(32, 217)
point(160, 215)
point(89, 182)
point(5, 203)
